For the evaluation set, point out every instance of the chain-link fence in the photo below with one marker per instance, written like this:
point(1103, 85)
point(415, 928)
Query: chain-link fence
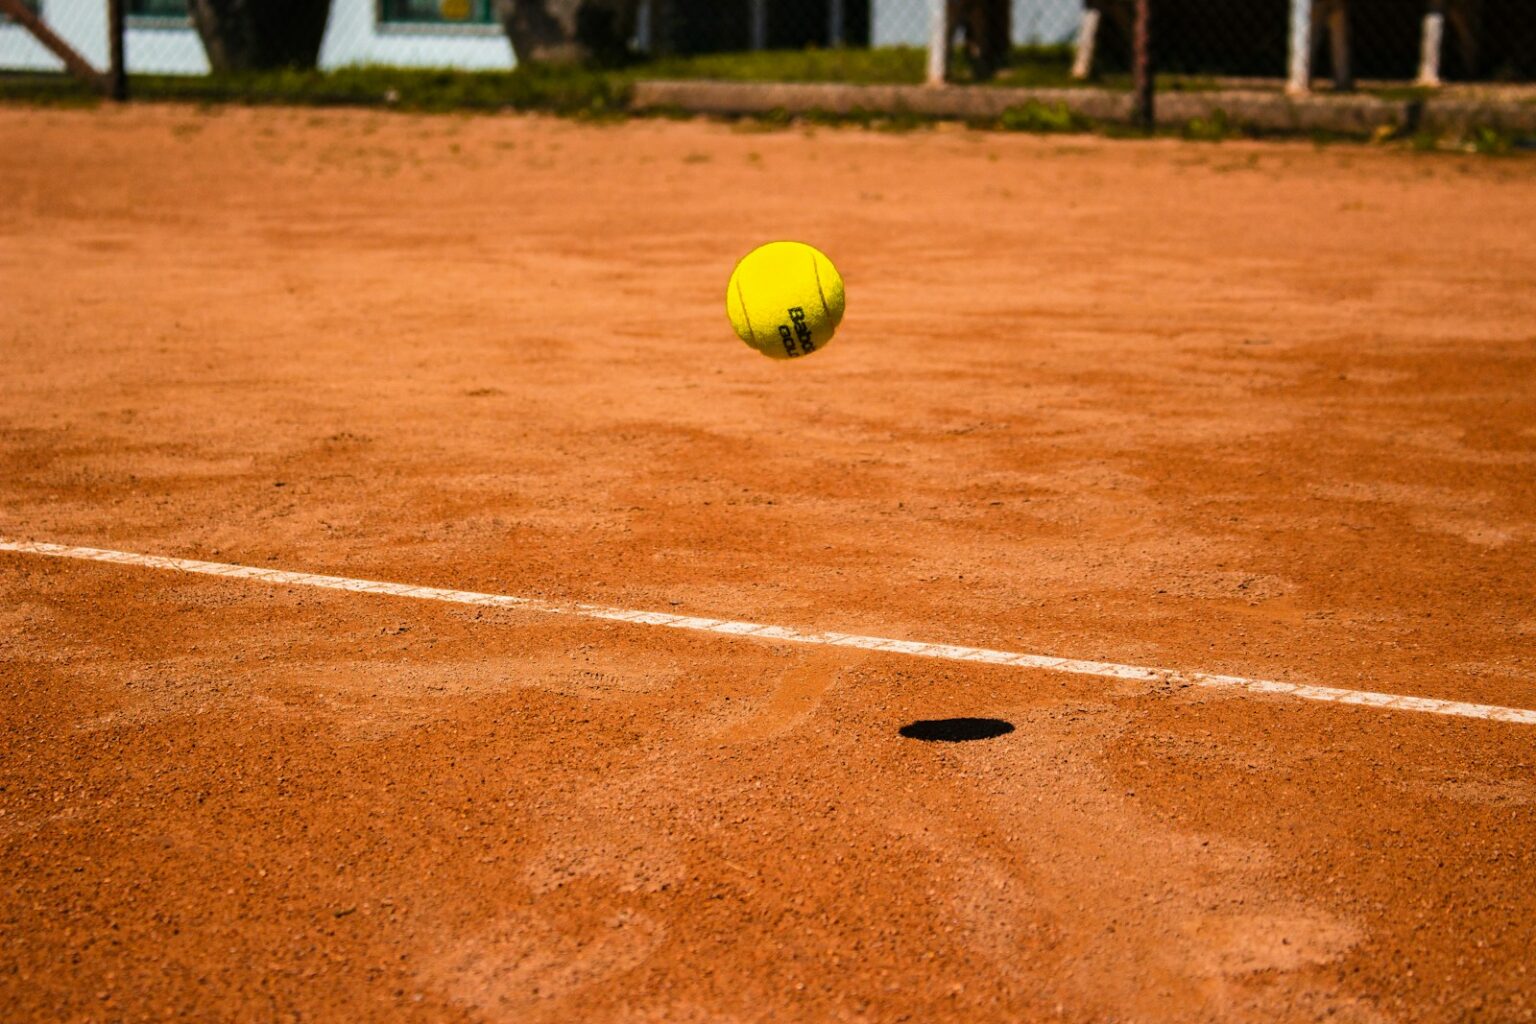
point(1332, 43)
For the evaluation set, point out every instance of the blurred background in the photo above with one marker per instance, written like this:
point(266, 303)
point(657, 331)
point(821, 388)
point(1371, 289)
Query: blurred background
point(1021, 41)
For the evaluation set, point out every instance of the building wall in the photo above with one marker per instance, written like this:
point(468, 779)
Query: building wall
point(905, 22)
point(150, 45)
point(81, 23)
point(353, 35)
point(160, 47)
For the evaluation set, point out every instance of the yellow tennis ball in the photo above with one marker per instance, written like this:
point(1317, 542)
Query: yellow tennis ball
point(785, 299)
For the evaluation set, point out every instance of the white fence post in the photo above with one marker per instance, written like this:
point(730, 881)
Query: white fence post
point(1300, 81)
point(1087, 42)
point(1429, 52)
point(938, 42)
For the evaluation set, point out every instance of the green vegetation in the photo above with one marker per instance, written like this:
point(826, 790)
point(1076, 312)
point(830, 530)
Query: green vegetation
point(555, 89)
point(1491, 142)
point(1402, 93)
point(896, 65)
point(1035, 67)
point(1211, 129)
point(1042, 117)
point(50, 90)
point(1032, 66)
point(604, 92)
point(1481, 139)
point(559, 90)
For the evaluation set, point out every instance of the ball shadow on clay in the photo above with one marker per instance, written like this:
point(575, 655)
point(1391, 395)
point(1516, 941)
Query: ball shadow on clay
point(956, 730)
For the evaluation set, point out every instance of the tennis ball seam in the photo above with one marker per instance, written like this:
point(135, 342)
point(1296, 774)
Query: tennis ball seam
point(746, 316)
point(826, 311)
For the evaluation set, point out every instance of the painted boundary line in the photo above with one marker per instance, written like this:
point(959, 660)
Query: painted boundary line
point(946, 652)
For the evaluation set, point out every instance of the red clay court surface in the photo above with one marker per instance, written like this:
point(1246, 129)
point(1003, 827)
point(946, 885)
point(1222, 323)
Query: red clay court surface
point(1259, 410)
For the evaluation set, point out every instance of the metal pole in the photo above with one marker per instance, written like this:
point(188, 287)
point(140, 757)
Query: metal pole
point(643, 27)
point(1338, 42)
point(759, 24)
point(1144, 69)
point(938, 42)
point(836, 20)
point(1300, 81)
point(117, 72)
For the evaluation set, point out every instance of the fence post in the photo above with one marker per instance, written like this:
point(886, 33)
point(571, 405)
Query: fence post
point(1339, 47)
point(1300, 81)
point(642, 41)
point(1087, 42)
point(759, 27)
point(117, 71)
point(1433, 40)
point(836, 19)
point(938, 42)
point(1144, 69)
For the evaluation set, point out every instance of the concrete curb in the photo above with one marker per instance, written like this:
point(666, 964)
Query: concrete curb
point(1272, 112)
point(734, 98)
point(1261, 111)
point(1459, 117)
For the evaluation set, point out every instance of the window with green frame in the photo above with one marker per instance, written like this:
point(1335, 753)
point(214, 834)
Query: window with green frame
point(168, 9)
point(437, 12)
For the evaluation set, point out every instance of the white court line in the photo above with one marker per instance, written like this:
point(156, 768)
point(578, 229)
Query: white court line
point(947, 652)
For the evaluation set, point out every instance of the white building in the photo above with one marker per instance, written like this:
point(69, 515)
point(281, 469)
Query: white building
point(160, 38)
point(420, 33)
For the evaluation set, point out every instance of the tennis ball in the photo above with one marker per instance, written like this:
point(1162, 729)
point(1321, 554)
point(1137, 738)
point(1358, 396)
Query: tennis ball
point(785, 299)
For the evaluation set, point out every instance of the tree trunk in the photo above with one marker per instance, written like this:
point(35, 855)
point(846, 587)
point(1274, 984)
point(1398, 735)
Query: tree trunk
point(245, 35)
point(569, 31)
